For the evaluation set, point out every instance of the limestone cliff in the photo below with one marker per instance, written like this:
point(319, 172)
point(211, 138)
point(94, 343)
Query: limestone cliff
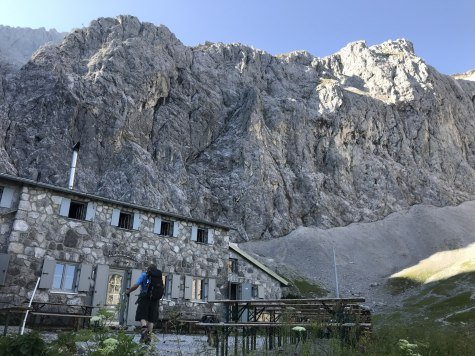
point(233, 134)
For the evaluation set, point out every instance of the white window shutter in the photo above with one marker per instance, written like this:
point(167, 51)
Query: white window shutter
point(157, 225)
point(115, 217)
point(7, 198)
point(100, 286)
point(136, 224)
point(176, 280)
point(260, 292)
point(210, 236)
point(211, 289)
point(64, 210)
point(47, 274)
point(84, 280)
point(90, 211)
point(188, 287)
point(176, 228)
point(194, 233)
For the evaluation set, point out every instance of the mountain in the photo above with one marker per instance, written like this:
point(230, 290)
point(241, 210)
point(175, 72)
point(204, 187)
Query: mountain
point(232, 134)
point(18, 44)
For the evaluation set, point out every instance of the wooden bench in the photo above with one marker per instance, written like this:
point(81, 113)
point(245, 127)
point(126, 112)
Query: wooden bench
point(8, 311)
point(77, 317)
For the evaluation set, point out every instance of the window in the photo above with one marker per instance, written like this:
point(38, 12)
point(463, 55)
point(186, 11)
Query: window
point(167, 282)
point(198, 289)
point(64, 277)
point(77, 210)
point(1, 193)
point(202, 236)
point(233, 265)
point(255, 291)
point(113, 289)
point(126, 220)
point(166, 228)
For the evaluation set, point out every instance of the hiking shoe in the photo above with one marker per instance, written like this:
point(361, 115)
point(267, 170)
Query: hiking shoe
point(147, 338)
point(144, 335)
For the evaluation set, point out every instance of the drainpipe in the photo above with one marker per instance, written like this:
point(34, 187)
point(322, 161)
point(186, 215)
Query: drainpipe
point(72, 172)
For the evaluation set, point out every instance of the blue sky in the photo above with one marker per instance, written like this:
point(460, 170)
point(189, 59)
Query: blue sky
point(443, 31)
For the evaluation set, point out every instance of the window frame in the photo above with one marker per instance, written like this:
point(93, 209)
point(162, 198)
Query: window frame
point(167, 286)
point(233, 265)
point(62, 288)
point(122, 216)
point(83, 212)
point(163, 226)
point(198, 288)
point(202, 235)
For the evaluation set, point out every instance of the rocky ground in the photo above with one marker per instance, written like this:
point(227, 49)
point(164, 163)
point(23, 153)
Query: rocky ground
point(368, 253)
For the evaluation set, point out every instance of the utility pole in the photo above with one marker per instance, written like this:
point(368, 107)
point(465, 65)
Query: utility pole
point(336, 274)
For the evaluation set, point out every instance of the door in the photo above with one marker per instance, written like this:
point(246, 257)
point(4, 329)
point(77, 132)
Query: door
point(245, 294)
point(115, 300)
point(233, 295)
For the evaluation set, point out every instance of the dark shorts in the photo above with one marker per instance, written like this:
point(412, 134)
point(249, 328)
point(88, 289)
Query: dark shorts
point(147, 309)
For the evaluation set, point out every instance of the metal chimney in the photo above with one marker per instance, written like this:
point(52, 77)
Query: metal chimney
point(72, 172)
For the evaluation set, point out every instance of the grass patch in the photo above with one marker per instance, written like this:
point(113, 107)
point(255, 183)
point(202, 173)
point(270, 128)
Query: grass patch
point(398, 285)
point(449, 304)
point(466, 316)
point(308, 289)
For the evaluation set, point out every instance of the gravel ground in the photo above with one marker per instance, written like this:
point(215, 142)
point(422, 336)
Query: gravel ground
point(368, 253)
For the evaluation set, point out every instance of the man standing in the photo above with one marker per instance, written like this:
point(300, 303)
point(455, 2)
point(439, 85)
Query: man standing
point(151, 291)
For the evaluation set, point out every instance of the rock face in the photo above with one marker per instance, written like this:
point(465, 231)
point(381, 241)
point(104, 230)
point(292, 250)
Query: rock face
point(18, 44)
point(235, 135)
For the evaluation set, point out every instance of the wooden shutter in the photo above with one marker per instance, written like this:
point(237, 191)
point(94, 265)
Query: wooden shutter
point(84, 280)
point(211, 289)
point(188, 287)
point(6, 198)
point(176, 281)
point(194, 233)
point(176, 228)
point(136, 224)
point(260, 292)
point(64, 210)
point(210, 236)
point(132, 307)
point(100, 286)
point(47, 274)
point(4, 261)
point(90, 211)
point(157, 225)
point(115, 217)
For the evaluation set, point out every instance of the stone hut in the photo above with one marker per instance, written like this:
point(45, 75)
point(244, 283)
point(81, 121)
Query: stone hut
point(87, 249)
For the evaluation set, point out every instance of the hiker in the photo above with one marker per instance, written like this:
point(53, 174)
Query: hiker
point(151, 291)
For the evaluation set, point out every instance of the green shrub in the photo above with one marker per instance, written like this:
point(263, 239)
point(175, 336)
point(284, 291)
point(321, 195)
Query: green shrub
point(30, 344)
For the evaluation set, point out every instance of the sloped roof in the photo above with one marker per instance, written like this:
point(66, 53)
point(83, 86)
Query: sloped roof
point(255, 262)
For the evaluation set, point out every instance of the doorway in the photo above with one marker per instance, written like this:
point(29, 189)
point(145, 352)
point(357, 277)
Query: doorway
point(116, 300)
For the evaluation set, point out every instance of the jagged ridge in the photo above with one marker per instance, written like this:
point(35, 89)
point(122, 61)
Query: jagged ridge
point(233, 134)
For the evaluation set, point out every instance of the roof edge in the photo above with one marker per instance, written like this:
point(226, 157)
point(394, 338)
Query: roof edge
point(30, 182)
point(255, 262)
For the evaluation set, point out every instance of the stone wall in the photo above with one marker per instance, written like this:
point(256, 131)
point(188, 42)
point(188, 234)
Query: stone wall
point(39, 232)
point(249, 273)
